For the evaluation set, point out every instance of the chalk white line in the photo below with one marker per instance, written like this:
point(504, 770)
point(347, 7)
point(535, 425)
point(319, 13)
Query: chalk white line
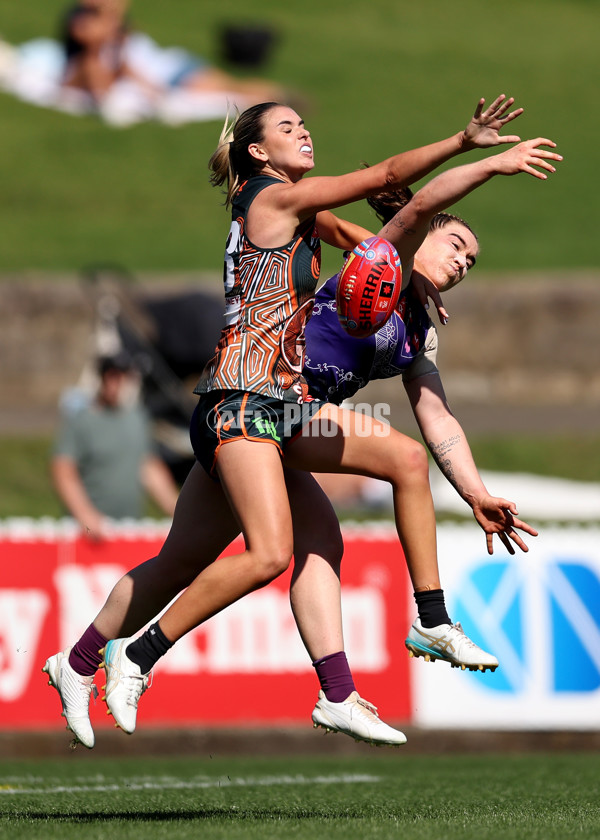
point(29, 785)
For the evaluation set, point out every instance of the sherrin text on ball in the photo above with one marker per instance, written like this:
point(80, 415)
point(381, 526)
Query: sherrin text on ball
point(368, 287)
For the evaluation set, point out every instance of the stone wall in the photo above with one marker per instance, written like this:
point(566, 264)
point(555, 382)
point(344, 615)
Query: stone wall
point(516, 349)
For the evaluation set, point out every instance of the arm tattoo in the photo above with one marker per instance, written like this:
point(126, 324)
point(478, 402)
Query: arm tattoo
point(400, 225)
point(442, 455)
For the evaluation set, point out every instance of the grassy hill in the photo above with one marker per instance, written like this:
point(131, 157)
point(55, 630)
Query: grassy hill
point(381, 76)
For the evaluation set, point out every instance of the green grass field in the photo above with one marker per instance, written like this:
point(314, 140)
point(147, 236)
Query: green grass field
point(384, 795)
point(381, 77)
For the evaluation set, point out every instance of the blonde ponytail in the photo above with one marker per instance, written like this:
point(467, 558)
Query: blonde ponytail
point(231, 162)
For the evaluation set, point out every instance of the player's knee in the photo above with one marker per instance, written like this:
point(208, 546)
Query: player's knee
point(410, 464)
point(272, 563)
point(326, 542)
point(419, 462)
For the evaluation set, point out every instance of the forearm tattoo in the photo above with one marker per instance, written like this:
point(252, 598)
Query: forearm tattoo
point(442, 455)
point(400, 225)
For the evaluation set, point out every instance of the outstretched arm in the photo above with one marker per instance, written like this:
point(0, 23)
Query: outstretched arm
point(409, 227)
point(304, 198)
point(450, 450)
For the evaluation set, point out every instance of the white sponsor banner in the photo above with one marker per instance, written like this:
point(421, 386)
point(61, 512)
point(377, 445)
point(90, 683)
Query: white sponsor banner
point(537, 496)
point(543, 497)
point(539, 613)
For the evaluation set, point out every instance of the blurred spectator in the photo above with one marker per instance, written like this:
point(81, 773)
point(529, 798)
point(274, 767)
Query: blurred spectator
point(103, 459)
point(120, 67)
point(94, 33)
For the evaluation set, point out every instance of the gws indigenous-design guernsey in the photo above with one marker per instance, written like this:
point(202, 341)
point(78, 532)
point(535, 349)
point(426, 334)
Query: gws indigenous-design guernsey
point(269, 296)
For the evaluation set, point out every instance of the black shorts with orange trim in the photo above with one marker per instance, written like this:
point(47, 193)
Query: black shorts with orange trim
point(223, 416)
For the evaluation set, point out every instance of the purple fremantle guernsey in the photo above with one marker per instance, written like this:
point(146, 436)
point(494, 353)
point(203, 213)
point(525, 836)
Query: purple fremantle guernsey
point(336, 365)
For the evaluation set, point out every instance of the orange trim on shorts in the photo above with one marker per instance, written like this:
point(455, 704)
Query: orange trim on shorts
point(242, 423)
point(243, 436)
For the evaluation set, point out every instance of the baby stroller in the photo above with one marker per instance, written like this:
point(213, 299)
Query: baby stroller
point(170, 336)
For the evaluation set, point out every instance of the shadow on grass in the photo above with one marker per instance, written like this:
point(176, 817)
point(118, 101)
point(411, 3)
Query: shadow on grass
point(258, 815)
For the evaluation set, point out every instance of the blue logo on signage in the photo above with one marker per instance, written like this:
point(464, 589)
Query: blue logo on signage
point(548, 622)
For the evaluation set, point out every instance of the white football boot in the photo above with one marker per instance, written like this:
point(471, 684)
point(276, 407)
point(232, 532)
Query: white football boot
point(450, 643)
point(355, 717)
point(125, 684)
point(74, 692)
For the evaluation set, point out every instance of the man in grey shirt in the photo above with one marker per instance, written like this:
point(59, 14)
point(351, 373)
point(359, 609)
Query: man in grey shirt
point(103, 463)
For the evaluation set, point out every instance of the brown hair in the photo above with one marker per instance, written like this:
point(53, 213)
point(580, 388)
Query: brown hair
point(440, 220)
point(387, 204)
point(231, 163)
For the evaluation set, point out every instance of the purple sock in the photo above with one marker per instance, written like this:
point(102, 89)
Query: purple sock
point(84, 658)
point(334, 675)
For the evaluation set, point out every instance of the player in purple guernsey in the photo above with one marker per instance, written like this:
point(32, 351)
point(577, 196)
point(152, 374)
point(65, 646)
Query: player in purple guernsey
point(337, 365)
point(437, 250)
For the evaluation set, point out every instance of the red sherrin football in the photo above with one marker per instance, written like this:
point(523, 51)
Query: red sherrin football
point(368, 287)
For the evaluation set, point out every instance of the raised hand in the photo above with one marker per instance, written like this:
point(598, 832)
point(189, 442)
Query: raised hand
point(525, 156)
point(499, 516)
point(484, 128)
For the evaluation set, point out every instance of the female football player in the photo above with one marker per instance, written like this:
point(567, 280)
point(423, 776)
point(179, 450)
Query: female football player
point(231, 431)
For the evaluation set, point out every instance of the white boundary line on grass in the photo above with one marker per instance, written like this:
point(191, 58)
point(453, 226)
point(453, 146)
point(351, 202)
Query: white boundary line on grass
point(13, 785)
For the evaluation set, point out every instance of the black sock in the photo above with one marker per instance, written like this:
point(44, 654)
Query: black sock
point(147, 650)
point(432, 608)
